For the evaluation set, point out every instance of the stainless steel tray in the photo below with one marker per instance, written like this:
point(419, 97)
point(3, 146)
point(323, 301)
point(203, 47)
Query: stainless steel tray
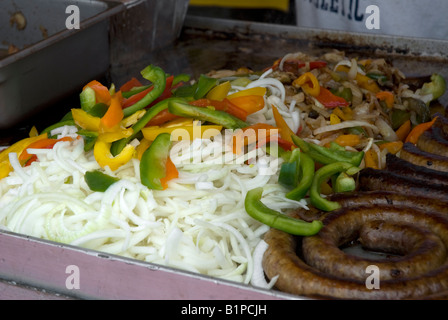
point(205, 44)
point(52, 60)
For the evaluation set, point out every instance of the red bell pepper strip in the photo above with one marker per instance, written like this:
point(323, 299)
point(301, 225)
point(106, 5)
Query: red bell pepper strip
point(133, 83)
point(329, 100)
point(138, 96)
point(162, 117)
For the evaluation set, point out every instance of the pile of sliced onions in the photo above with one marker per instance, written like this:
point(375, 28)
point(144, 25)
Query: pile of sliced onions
point(198, 224)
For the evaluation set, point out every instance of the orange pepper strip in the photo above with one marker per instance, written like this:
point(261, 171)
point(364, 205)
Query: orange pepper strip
point(26, 159)
point(348, 140)
point(387, 97)
point(371, 159)
point(392, 147)
point(114, 113)
point(403, 131)
point(418, 130)
point(250, 103)
point(285, 131)
point(101, 92)
point(251, 134)
point(225, 105)
point(171, 173)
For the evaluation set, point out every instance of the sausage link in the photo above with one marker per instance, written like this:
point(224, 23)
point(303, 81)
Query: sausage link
point(285, 258)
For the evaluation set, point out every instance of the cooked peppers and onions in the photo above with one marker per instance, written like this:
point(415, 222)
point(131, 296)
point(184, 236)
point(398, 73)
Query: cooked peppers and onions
point(191, 173)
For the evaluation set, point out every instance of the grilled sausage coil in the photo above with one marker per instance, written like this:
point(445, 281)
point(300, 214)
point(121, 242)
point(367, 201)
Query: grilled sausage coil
point(317, 267)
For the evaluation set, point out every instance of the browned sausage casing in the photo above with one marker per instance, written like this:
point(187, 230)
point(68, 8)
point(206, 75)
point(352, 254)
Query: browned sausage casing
point(316, 267)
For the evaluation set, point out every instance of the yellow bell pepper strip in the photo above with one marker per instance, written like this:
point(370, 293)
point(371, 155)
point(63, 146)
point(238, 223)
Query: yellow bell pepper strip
point(249, 103)
point(103, 156)
point(85, 120)
point(418, 130)
point(436, 87)
point(5, 169)
point(334, 119)
point(219, 92)
point(285, 131)
point(141, 148)
point(102, 93)
point(33, 132)
point(403, 131)
point(225, 105)
point(99, 181)
point(190, 132)
point(346, 113)
point(371, 159)
point(158, 77)
point(387, 97)
point(348, 140)
point(218, 117)
point(256, 91)
point(18, 147)
point(26, 159)
point(363, 81)
point(114, 113)
point(277, 220)
point(329, 100)
point(117, 134)
point(392, 147)
point(153, 165)
point(323, 174)
point(309, 83)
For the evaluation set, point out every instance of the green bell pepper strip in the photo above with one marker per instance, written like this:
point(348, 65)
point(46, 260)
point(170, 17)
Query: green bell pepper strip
point(344, 183)
point(321, 176)
point(328, 155)
point(117, 146)
point(87, 98)
point(181, 77)
point(158, 77)
point(289, 171)
point(99, 181)
point(98, 110)
point(218, 117)
point(89, 137)
point(380, 78)
point(277, 220)
point(307, 168)
point(436, 87)
point(205, 84)
point(153, 162)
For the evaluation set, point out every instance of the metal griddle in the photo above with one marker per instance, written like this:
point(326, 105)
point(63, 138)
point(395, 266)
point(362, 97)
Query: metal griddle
point(205, 44)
